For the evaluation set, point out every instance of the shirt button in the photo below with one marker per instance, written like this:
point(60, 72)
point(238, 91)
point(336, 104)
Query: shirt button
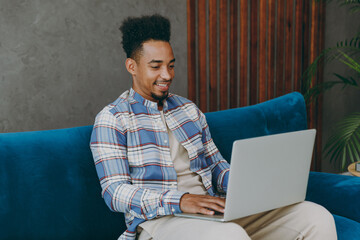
point(165, 141)
point(150, 215)
point(173, 209)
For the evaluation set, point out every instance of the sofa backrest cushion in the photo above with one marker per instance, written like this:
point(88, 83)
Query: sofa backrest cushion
point(49, 188)
point(283, 114)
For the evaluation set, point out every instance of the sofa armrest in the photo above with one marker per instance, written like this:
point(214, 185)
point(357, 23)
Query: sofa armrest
point(338, 193)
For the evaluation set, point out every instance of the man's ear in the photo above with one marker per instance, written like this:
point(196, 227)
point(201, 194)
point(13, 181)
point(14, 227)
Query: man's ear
point(130, 66)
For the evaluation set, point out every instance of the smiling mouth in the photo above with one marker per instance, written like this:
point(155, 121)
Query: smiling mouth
point(163, 86)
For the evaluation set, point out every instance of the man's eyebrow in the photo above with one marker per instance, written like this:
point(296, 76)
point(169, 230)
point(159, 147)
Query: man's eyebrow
point(160, 61)
point(155, 61)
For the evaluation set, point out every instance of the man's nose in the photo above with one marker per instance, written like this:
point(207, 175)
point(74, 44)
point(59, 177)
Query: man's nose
point(165, 74)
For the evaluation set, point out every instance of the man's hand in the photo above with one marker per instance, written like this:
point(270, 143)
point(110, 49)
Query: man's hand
point(204, 204)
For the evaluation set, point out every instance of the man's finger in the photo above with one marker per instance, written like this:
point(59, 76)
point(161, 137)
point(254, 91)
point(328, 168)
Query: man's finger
point(206, 211)
point(213, 206)
point(217, 200)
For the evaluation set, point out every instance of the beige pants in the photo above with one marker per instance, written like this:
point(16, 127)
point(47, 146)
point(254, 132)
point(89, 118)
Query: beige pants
point(304, 220)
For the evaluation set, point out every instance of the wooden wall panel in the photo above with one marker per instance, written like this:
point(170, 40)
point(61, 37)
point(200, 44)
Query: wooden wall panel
point(271, 49)
point(319, 107)
point(280, 42)
point(244, 40)
point(202, 52)
point(213, 55)
point(191, 46)
point(243, 52)
point(253, 51)
point(233, 53)
point(262, 50)
point(298, 42)
point(288, 46)
point(223, 29)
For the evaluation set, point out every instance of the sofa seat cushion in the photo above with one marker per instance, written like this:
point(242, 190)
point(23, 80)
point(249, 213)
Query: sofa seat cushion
point(347, 229)
point(338, 193)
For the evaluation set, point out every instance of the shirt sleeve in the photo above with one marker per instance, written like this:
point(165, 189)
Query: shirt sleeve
point(220, 167)
point(109, 148)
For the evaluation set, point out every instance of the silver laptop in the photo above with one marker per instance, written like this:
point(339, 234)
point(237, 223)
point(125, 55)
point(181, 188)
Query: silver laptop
point(266, 173)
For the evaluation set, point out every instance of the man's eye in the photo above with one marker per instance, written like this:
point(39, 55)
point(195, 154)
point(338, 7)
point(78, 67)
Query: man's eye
point(171, 66)
point(155, 67)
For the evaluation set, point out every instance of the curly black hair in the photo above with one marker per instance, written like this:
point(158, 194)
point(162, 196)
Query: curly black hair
point(137, 30)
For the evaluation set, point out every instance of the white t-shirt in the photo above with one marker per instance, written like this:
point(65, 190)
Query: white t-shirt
point(187, 180)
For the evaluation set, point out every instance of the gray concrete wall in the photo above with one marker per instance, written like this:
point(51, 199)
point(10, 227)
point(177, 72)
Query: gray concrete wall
point(338, 103)
point(61, 61)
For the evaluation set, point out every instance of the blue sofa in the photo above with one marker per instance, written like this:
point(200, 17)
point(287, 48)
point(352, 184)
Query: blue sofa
point(49, 188)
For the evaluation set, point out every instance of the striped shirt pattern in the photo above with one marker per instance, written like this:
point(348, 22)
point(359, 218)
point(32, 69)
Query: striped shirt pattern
point(130, 147)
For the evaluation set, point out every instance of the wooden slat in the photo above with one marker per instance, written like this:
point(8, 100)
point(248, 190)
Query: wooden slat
point(313, 54)
point(243, 52)
point(319, 109)
point(280, 49)
point(191, 48)
point(253, 51)
point(223, 55)
point(306, 36)
point(202, 55)
point(311, 107)
point(271, 49)
point(306, 47)
point(298, 44)
point(262, 51)
point(213, 57)
point(233, 53)
point(288, 45)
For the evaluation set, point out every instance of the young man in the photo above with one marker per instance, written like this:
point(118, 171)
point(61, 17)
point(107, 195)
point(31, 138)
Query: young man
point(155, 157)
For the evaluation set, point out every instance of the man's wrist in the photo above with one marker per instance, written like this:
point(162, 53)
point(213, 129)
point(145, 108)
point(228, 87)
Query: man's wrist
point(171, 202)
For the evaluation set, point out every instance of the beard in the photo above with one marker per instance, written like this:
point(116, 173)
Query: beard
point(160, 98)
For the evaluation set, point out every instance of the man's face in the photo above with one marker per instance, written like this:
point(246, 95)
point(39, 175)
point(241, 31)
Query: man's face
point(154, 70)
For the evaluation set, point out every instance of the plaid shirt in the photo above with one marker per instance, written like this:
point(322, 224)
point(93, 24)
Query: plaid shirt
point(130, 146)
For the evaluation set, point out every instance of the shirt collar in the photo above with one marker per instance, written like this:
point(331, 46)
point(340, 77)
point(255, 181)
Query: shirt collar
point(145, 102)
